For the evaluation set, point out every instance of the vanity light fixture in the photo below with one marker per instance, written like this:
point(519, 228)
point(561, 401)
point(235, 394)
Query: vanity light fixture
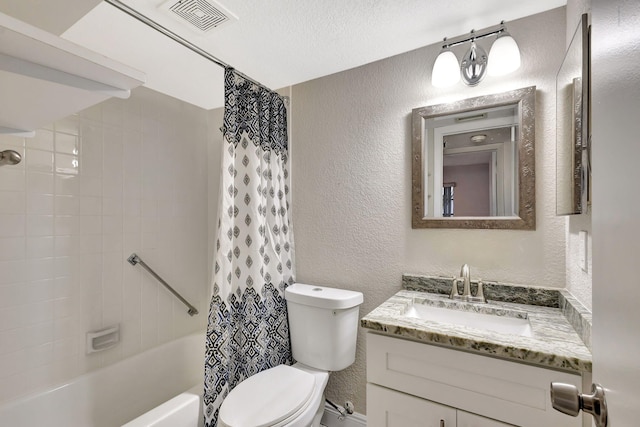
point(503, 58)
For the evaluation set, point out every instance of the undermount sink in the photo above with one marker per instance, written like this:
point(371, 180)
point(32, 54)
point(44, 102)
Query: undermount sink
point(500, 321)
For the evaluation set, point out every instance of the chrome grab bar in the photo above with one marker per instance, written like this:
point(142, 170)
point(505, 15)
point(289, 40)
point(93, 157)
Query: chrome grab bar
point(135, 259)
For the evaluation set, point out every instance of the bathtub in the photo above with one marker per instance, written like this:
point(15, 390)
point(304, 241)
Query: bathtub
point(122, 392)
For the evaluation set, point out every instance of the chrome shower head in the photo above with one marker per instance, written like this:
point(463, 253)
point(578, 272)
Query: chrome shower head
point(9, 157)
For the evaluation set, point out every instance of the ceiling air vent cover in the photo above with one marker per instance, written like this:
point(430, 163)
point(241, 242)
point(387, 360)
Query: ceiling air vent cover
point(201, 15)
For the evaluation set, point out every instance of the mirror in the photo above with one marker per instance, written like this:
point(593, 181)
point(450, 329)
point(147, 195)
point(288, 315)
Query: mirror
point(572, 112)
point(473, 163)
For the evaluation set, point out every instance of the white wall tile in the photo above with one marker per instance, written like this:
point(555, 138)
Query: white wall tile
point(69, 125)
point(40, 269)
point(112, 206)
point(93, 188)
point(65, 327)
point(90, 224)
point(39, 160)
point(113, 187)
point(23, 338)
point(39, 225)
point(90, 244)
point(12, 248)
point(13, 271)
point(67, 144)
point(65, 266)
point(67, 164)
point(40, 247)
point(21, 316)
point(11, 141)
point(67, 205)
point(67, 185)
point(43, 140)
point(67, 225)
point(12, 179)
point(112, 243)
point(41, 183)
point(41, 204)
point(12, 225)
point(90, 205)
point(12, 202)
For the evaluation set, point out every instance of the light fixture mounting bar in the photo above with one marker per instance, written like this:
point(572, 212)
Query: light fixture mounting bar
point(473, 35)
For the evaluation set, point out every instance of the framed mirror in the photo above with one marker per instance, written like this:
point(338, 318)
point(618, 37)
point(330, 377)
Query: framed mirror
point(473, 163)
point(572, 126)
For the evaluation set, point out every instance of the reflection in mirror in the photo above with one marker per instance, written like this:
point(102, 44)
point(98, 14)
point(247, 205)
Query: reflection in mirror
point(473, 163)
point(572, 103)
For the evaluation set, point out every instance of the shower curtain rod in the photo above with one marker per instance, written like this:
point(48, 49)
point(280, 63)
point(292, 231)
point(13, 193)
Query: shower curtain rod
point(173, 36)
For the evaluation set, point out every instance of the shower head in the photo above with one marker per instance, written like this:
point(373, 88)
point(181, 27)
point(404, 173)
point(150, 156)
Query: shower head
point(9, 157)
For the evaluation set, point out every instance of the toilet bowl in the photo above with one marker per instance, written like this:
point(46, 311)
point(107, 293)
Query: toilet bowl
point(284, 396)
point(323, 325)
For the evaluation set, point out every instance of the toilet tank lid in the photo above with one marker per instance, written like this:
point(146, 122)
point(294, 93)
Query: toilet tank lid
point(322, 296)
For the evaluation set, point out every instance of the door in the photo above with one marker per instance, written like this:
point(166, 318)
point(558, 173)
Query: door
point(616, 205)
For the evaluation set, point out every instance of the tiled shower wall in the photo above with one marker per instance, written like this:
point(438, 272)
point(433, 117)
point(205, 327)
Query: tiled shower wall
point(124, 176)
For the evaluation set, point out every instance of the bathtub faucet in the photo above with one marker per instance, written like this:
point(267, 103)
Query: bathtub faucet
point(465, 277)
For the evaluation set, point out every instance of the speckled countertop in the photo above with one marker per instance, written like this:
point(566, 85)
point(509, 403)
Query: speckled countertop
point(554, 342)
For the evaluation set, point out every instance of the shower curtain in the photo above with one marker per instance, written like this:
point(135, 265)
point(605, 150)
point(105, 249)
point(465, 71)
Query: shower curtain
point(254, 263)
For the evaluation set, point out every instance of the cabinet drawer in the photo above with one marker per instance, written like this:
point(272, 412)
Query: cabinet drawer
point(511, 392)
point(466, 419)
point(389, 408)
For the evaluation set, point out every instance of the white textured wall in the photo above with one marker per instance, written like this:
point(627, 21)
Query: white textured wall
point(578, 280)
point(352, 182)
point(124, 176)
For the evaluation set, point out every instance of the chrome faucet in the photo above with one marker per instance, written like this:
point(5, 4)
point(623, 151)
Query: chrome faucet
point(466, 280)
point(465, 276)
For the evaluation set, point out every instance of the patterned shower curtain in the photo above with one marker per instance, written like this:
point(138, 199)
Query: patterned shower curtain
point(248, 330)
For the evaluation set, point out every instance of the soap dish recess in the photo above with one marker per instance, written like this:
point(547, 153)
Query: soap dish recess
point(103, 339)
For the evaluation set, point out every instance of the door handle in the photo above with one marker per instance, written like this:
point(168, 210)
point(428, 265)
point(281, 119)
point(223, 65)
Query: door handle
point(566, 399)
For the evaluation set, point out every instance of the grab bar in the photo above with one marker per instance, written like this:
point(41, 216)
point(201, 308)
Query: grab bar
point(135, 259)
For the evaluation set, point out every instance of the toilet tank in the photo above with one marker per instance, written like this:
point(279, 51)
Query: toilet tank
point(323, 323)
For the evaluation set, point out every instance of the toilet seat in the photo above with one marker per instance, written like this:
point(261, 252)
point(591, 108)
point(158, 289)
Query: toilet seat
point(269, 398)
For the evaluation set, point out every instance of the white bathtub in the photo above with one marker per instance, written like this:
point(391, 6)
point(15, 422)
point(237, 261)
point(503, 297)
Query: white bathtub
point(119, 393)
point(184, 410)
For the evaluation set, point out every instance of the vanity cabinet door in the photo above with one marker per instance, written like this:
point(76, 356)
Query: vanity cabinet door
point(511, 392)
point(389, 408)
point(465, 419)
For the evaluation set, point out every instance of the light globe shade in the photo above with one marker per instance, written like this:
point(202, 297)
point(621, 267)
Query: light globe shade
point(446, 70)
point(504, 56)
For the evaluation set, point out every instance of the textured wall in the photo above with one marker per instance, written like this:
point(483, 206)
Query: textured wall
point(124, 176)
point(351, 175)
point(578, 280)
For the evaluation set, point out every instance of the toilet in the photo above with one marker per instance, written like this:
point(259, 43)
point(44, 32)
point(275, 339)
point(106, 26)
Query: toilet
point(323, 325)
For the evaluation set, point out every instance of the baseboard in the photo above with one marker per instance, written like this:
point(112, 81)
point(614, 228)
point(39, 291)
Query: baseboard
point(330, 419)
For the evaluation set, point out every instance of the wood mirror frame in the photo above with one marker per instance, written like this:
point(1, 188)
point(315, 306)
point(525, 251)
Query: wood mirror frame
point(526, 218)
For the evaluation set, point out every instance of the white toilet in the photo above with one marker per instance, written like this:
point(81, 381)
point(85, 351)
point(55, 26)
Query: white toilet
point(323, 324)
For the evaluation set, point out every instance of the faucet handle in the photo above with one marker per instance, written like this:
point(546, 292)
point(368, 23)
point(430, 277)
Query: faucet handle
point(454, 288)
point(480, 293)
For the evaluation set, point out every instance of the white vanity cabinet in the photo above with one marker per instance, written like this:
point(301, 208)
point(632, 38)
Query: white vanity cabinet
point(416, 384)
point(390, 408)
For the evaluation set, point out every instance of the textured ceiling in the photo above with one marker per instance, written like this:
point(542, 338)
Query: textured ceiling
point(281, 42)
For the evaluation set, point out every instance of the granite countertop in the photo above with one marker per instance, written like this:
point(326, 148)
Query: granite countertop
point(554, 342)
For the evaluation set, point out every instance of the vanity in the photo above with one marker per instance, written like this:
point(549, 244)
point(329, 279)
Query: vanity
point(434, 361)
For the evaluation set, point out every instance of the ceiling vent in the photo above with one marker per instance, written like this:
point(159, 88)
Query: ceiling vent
point(200, 15)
